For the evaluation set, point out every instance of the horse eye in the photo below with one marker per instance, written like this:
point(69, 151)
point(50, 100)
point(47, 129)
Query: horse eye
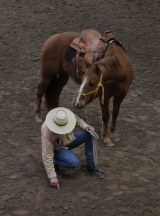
point(91, 84)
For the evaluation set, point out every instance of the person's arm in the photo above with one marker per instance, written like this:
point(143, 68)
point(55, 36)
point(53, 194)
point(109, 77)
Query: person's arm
point(47, 156)
point(82, 124)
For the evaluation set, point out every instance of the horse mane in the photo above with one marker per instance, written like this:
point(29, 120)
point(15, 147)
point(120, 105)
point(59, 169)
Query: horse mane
point(112, 66)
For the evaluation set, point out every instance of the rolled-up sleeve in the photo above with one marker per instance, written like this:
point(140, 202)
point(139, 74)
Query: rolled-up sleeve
point(47, 151)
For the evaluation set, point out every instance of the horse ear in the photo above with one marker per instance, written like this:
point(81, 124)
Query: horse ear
point(88, 65)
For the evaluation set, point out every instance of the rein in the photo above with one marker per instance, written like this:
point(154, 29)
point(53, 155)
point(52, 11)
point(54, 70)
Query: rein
point(98, 86)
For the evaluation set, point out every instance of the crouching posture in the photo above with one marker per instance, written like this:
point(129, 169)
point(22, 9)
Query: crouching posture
point(58, 139)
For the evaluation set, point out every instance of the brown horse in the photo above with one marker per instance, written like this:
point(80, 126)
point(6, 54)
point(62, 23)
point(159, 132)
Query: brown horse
point(109, 77)
point(55, 69)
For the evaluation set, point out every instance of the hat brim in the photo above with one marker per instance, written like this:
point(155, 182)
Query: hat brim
point(67, 128)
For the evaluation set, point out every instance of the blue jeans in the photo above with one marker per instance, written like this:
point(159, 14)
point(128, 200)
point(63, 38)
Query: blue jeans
point(65, 158)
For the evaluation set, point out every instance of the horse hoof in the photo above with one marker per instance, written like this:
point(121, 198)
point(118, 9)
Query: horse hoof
point(109, 144)
point(115, 139)
point(39, 120)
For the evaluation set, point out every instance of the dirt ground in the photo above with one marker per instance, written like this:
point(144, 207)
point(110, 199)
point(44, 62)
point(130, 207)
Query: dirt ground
point(132, 167)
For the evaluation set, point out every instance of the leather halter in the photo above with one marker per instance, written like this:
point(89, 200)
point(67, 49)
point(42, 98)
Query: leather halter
point(98, 86)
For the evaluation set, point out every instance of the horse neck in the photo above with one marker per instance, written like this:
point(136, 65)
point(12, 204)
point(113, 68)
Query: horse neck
point(114, 48)
point(110, 63)
point(111, 51)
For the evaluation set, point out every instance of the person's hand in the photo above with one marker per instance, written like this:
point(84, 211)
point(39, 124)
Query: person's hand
point(54, 182)
point(89, 128)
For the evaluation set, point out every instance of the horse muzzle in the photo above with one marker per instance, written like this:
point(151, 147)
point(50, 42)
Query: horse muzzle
point(78, 106)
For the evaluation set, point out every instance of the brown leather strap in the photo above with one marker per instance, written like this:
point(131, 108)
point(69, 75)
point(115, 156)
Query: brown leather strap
point(77, 60)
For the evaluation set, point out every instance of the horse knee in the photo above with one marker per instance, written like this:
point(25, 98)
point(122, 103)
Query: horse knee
point(39, 94)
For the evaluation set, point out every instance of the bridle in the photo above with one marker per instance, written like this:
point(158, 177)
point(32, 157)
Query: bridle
point(98, 86)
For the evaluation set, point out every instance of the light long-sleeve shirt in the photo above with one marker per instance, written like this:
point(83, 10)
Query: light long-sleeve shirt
point(49, 144)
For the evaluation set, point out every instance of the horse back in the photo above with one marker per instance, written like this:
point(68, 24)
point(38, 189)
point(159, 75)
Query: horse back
point(58, 42)
point(53, 54)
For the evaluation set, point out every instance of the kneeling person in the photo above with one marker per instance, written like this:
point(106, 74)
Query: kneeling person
point(58, 139)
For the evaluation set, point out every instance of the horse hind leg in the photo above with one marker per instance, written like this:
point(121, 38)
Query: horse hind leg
point(62, 80)
point(54, 90)
point(117, 100)
point(42, 86)
point(51, 98)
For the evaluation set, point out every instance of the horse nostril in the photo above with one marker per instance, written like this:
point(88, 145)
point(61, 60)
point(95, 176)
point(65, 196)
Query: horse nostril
point(77, 106)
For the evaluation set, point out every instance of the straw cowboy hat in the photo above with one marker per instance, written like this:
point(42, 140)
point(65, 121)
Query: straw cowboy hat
point(61, 120)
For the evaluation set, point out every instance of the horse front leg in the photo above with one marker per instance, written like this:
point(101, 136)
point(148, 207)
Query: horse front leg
point(105, 129)
point(116, 107)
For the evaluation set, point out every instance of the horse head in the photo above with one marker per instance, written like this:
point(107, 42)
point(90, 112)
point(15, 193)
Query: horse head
point(91, 86)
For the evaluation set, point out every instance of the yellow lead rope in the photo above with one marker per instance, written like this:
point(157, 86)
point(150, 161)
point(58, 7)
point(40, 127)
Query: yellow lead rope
point(99, 85)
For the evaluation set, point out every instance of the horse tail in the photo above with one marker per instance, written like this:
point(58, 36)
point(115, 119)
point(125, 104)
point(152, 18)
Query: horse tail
point(51, 101)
